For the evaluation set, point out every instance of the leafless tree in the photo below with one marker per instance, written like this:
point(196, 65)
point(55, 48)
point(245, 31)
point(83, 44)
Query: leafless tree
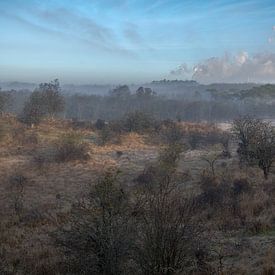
point(98, 238)
point(168, 240)
point(256, 142)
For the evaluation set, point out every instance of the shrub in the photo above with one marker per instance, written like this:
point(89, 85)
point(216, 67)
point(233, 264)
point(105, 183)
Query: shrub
point(168, 236)
point(100, 124)
point(21, 136)
point(256, 142)
point(44, 155)
point(194, 140)
point(138, 122)
point(214, 191)
point(108, 135)
point(80, 124)
point(17, 183)
point(171, 133)
point(241, 186)
point(197, 137)
point(99, 240)
point(71, 147)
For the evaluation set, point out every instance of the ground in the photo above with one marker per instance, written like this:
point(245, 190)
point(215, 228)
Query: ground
point(49, 190)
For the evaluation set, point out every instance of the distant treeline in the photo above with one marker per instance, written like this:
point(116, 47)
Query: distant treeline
point(210, 105)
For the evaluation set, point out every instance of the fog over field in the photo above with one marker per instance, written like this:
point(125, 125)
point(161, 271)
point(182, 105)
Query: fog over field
point(137, 137)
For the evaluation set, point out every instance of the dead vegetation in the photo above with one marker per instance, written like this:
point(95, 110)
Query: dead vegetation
point(168, 208)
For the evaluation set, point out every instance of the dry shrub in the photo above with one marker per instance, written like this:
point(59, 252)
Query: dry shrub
point(81, 124)
point(241, 186)
point(214, 191)
point(135, 122)
point(22, 136)
point(44, 155)
point(171, 132)
point(202, 134)
point(108, 135)
point(100, 124)
point(270, 270)
point(269, 265)
point(256, 211)
point(99, 238)
point(169, 236)
point(139, 122)
point(235, 204)
point(69, 147)
point(17, 183)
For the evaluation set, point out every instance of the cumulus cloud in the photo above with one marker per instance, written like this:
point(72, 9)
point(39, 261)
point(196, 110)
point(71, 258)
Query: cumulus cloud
point(239, 68)
point(181, 70)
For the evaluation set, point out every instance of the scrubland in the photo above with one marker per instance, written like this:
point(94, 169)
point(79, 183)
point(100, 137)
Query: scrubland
point(105, 198)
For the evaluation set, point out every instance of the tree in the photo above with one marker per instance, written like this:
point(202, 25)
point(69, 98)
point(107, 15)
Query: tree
point(34, 109)
point(211, 159)
point(5, 100)
point(142, 92)
point(121, 92)
point(167, 234)
point(265, 151)
point(256, 142)
point(51, 94)
point(44, 101)
point(99, 238)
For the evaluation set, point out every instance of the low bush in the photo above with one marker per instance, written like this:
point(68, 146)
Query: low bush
point(22, 136)
point(108, 135)
point(68, 147)
point(138, 122)
point(171, 133)
point(198, 137)
point(71, 147)
point(100, 124)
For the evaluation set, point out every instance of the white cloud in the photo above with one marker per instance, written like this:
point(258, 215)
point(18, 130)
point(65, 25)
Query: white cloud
point(270, 39)
point(242, 57)
point(182, 70)
point(239, 68)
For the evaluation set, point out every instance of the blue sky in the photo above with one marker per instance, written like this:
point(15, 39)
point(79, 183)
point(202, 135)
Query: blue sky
point(131, 41)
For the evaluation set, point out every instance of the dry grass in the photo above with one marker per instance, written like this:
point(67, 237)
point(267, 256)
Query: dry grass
point(52, 188)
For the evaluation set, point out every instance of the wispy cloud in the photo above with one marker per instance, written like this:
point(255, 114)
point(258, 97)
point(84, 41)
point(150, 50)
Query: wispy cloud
point(71, 27)
point(131, 33)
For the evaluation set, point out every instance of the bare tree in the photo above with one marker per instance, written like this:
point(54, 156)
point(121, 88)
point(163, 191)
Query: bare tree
point(256, 142)
point(98, 241)
point(168, 240)
point(211, 159)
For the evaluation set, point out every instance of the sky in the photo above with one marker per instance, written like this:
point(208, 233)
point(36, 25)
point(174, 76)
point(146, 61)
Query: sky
point(135, 41)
